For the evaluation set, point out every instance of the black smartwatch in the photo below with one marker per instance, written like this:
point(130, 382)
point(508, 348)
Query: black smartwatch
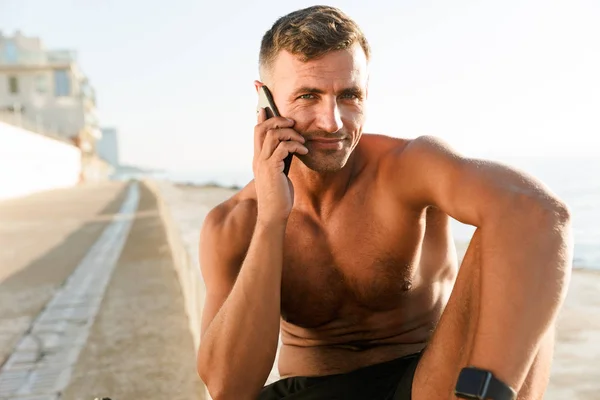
point(479, 384)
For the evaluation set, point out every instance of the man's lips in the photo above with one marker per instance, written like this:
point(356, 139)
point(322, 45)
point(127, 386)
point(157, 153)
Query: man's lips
point(325, 143)
point(325, 140)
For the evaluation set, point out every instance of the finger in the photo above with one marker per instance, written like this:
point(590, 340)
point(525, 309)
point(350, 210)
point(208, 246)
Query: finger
point(278, 123)
point(261, 115)
point(276, 136)
point(286, 148)
point(260, 130)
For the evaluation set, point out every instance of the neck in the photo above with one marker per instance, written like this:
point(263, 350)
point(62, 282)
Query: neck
point(318, 193)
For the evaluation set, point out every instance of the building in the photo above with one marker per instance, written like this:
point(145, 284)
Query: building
point(108, 146)
point(46, 91)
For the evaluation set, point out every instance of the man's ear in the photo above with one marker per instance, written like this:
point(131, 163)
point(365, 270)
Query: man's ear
point(258, 84)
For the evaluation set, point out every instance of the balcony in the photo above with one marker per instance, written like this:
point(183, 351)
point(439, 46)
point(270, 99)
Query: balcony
point(61, 56)
point(23, 57)
point(33, 60)
point(88, 94)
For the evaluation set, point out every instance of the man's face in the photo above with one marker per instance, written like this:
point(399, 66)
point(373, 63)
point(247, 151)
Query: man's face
point(326, 97)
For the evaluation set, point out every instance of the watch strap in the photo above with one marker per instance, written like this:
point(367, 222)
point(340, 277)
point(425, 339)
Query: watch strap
point(498, 390)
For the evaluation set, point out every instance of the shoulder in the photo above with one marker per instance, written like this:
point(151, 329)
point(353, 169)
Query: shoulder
point(428, 145)
point(390, 153)
point(395, 147)
point(407, 168)
point(379, 145)
point(401, 154)
point(389, 147)
point(238, 210)
point(228, 228)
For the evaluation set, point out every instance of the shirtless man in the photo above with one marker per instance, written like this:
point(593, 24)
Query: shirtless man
point(352, 260)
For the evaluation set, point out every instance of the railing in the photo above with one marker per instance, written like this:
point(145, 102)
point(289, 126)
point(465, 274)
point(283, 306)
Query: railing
point(17, 119)
point(61, 56)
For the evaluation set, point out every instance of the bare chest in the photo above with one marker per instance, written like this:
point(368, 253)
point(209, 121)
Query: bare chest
point(357, 264)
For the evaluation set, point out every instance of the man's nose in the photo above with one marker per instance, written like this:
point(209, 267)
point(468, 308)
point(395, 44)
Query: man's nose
point(330, 118)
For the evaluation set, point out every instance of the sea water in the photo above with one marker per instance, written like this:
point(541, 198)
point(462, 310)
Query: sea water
point(575, 180)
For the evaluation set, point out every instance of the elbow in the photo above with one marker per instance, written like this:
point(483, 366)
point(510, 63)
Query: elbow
point(544, 223)
point(563, 212)
point(550, 223)
point(208, 378)
point(216, 387)
point(218, 383)
point(218, 393)
point(557, 246)
point(201, 369)
point(555, 214)
point(544, 212)
point(226, 392)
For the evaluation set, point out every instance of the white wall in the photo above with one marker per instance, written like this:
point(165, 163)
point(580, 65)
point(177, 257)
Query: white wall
point(30, 162)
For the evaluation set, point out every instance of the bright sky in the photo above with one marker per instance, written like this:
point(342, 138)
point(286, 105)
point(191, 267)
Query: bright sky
point(176, 77)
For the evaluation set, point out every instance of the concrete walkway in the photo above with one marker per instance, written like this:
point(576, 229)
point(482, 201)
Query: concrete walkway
point(138, 345)
point(44, 237)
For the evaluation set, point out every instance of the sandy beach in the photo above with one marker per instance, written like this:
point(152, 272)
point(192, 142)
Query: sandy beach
point(575, 372)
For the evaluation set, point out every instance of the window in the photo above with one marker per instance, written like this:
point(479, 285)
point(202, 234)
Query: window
point(10, 52)
point(41, 84)
point(62, 83)
point(13, 85)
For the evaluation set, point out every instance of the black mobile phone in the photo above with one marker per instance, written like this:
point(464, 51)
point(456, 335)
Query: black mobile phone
point(265, 100)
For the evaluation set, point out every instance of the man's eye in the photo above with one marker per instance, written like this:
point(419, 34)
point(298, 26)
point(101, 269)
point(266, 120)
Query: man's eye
point(307, 96)
point(349, 96)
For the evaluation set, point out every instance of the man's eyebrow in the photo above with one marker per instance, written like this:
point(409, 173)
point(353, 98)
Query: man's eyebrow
point(355, 90)
point(306, 90)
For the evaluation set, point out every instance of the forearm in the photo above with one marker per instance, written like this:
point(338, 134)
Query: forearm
point(239, 347)
point(526, 262)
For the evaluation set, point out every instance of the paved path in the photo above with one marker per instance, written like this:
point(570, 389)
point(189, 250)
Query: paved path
point(44, 237)
point(80, 318)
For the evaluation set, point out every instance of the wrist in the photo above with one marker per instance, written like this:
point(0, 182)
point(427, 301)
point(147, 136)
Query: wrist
point(475, 383)
point(271, 224)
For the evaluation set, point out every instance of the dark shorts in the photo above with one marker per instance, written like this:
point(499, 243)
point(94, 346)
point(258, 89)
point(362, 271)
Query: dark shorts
point(391, 380)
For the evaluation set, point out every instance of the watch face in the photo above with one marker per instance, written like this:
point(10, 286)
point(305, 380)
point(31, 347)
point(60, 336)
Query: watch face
point(472, 383)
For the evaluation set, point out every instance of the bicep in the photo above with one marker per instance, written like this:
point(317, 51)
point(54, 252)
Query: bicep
point(217, 289)
point(224, 240)
point(469, 190)
point(218, 267)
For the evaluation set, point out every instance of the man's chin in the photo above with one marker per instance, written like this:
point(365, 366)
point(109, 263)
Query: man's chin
point(327, 165)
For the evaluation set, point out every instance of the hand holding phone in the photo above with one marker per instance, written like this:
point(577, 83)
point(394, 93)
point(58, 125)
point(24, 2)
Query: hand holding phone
point(275, 141)
point(265, 100)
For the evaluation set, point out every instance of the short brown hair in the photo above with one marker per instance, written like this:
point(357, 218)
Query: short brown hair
point(311, 33)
